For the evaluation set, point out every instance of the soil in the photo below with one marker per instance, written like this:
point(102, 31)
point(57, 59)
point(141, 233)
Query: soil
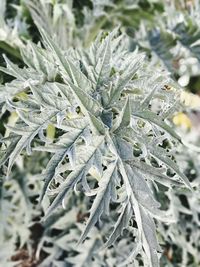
point(25, 259)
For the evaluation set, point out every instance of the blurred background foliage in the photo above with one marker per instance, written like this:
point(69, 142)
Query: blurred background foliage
point(168, 31)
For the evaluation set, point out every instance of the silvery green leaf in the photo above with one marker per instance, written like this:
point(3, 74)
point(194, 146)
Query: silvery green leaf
point(98, 162)
point(124, 117)
point(103, 67)
point(98, 127)
point(13, 70)
point(26, 105)
point(83, 165)
point(131, 67)
point(28, 136)
point(65, 92)
point(66, 147)
point(102, 199)
point(149, 238)
point(124, 148)
point(157, 174)
point(48, 97)
point(87, 103)
point(107, 118)
point(121, 224)
point(153, 118)
point(76, 123)
point(142, 192)
point(40, 60)
point(86, 136)
point(149, 241)
point(87, 254)
point(171, 164)
point(76, 76)
point(72, 155)
point(9, 149)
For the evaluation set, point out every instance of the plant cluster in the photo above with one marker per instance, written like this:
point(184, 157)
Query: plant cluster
point(93, 171)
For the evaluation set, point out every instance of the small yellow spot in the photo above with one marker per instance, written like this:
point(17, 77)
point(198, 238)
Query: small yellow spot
point(182, 119)
point(21, 96)
point(11, 122)
point(51, 130)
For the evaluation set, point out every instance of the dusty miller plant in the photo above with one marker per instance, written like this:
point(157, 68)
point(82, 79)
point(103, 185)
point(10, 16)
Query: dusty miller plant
point(113, 142)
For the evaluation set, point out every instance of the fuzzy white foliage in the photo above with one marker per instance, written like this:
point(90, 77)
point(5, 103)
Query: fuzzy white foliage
point(119, 131)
